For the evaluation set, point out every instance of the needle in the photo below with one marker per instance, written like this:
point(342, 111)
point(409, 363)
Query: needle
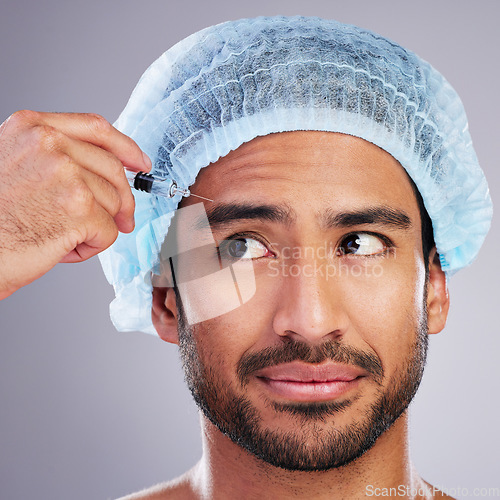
point(184, 192)
point(161, 187)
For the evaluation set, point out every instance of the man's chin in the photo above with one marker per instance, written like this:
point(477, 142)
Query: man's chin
point(298, 436)
point(317, 446)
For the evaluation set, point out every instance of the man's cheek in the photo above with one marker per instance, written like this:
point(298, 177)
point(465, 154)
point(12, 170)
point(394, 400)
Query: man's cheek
point(220, 342)
point(383, 310)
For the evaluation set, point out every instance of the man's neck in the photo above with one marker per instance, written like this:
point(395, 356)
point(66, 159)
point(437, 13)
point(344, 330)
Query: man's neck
point(228, 471)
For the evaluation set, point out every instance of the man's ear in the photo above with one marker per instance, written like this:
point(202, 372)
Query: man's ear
point(164, 314)
point(438, 300)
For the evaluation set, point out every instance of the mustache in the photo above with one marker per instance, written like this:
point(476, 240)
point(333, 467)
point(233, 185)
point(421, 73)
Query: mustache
point(300, 351)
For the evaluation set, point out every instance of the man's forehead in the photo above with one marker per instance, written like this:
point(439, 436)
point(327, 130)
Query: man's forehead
point(298, 169)
point(307, 142)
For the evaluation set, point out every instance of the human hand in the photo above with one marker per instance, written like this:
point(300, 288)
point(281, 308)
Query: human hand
point(63, 192)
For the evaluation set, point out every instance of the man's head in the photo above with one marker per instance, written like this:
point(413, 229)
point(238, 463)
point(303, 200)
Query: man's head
point(305, 125)
point(333, 228)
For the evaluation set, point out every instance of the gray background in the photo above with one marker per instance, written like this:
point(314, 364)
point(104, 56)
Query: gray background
point(86, 412)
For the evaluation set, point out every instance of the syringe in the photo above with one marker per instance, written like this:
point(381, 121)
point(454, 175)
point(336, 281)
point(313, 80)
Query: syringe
point(167, 188)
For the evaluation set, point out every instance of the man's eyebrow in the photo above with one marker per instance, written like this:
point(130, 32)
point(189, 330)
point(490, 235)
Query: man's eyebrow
point(225, 214)
point(384, 216)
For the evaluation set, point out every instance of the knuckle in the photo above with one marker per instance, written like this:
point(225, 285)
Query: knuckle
point(98, 123)
point(62, 166)
point(128, 206)
point(114, 165)
point(108, 230)
point(112, 234)
point(115, 203)
point(23, 118)
point(78, 199)
point(45, 139)
point(57, 170)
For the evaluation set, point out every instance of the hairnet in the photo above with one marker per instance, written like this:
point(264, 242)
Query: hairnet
point(227, 84)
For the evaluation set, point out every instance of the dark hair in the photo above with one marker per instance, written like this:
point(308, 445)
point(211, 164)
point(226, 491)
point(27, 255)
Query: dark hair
point(426, 225)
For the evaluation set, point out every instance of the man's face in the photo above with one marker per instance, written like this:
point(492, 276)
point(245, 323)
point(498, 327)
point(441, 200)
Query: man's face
point(330, 349)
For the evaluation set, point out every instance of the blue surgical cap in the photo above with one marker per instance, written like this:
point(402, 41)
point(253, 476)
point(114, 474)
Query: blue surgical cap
point(227, 84)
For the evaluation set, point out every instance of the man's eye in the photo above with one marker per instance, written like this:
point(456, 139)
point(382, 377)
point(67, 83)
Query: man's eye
point(242, 248)
point(361, 244)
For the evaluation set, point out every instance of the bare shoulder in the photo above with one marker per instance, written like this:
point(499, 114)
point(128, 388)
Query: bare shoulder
point(179, 488)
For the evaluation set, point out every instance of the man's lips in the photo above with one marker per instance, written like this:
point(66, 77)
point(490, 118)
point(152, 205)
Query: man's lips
point(298, 381)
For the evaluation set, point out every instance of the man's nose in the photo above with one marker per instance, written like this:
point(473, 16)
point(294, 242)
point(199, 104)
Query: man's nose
point(310, 306)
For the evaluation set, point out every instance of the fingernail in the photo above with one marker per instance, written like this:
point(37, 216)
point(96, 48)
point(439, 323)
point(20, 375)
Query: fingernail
point(147, 161)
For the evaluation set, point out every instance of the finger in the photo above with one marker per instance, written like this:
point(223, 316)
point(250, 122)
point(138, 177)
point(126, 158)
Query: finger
point(90, 128)
point(107, 197)
point(108, 167)
point(100, 235)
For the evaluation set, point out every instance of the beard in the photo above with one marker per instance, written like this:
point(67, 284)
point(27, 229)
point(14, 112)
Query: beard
point(313, 445)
